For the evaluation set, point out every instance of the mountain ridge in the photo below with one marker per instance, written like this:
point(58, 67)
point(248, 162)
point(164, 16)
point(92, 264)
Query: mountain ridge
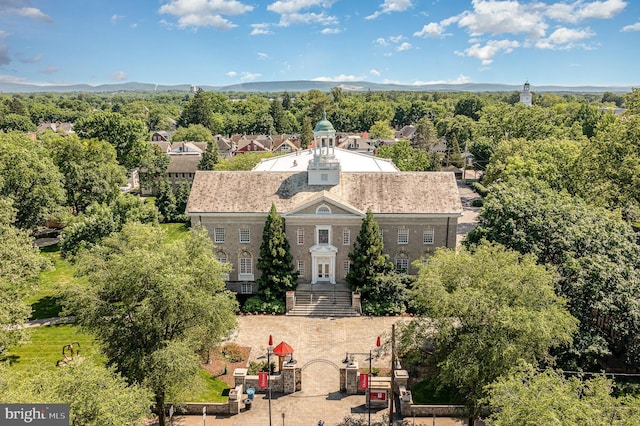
point(304, 86)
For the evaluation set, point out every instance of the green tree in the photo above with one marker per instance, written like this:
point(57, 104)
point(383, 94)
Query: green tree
point(182, 191)
point(405, 157)
point(367, 260)
point(426, 135)
point(153, 167)
point(596, 256)
point(202, 109)
point(210, 157)
point(469, 106)
point(90, 169)
point(152, 305)
point(20, 263)
point(30, 178)
point(194, 133)
point(381, 130)
point(306, 135)
point(127, 135)
point(488, 309)
point(96, 395)
point(275, 262)
point(17, 123)
point(530, 397)
point(101, 220)
point(166, 201)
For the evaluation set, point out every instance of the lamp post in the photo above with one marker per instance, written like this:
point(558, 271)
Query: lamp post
point(269, 349)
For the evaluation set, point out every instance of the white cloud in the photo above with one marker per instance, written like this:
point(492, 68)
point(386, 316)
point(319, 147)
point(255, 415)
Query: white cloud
point(249, 76)
point(632, 27)
point(118, 76)
point(204, 13)
point(381, 42)
point(396, 39)
point(341, 77)
point(488, 51)
point(580, 11)
point(564, 38)
point(27, 12)
point(331, 31)
point(390, 6)
point(116, 18)
point(262, 55)
point(374, 72)
point(404, 46)
point(461, 79)
point(290, 12)
point(232, 74)
point(260, 29)
point(504, 17)
point(431, 30)
point(4, 55)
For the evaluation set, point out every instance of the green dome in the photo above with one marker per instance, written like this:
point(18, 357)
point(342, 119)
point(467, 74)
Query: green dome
point(324, 125)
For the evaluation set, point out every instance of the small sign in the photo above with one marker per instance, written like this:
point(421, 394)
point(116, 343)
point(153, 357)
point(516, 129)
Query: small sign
point(378, 396)
point(34, 414)
point(263, 380)
point(363, 383)
point(204, 413)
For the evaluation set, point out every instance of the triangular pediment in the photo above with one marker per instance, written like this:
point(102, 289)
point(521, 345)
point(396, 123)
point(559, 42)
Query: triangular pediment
point(320, 202)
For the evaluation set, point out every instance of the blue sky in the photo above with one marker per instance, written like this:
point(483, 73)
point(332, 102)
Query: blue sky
point(222, 42)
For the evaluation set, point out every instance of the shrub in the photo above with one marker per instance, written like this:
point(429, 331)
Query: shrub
point(258, 306)
point(232, 352)
point(256, 367)
point(480, 188)
point(478, 202)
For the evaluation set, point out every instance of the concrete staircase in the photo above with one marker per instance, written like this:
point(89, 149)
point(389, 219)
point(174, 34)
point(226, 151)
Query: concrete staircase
point(323, 300)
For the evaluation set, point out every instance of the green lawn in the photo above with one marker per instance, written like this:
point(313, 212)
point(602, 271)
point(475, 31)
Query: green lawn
point(175, 231)
point(45, 347)
point(45, 303)
point(208, 389)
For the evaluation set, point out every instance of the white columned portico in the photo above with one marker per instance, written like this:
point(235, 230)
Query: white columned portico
point(323, 263)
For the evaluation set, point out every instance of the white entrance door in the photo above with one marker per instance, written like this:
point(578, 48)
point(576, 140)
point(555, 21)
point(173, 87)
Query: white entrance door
point(323, 270)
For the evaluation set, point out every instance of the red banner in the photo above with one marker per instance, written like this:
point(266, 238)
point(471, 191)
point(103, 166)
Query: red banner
point(364, 381)
point(263, 380)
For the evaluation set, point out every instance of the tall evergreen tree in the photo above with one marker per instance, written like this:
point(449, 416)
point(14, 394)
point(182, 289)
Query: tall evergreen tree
point(307, 133)
point(275, 261)
point(210, 157)
point(367, 260)
point(166, 201)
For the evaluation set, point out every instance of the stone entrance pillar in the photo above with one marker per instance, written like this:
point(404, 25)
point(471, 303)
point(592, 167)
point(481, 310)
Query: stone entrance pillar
point(349, 378)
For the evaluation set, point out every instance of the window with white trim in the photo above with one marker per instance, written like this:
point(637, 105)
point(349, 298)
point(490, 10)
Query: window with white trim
point(246, 288)
point(301, 268)
point(222, 258)
point(428, 235)
point(403, 236)
point(300, 236)
point(245, 266)
point(346, 265)
point(323, 235)
point(245, 235)
point(218, 235)
point(402, 263)
point(346, 237)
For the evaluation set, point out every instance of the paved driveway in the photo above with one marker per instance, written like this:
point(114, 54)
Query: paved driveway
point(311, 339)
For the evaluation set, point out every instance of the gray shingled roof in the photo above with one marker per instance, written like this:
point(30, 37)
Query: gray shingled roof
point(253, 192)
point(183, 163)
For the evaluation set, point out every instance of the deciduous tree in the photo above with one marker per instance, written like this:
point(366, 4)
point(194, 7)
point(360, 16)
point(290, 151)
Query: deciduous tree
point(489, 308)
point(152, 305)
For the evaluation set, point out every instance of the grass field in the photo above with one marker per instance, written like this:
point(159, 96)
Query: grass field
point(208, 389)
point(175, 231)
point(45, 348)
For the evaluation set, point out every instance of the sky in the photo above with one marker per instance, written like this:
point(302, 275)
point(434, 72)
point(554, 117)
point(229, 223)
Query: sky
point(224, 42)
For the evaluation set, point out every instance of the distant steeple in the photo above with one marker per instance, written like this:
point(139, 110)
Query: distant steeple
point(324, 168)
point(525, 95)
